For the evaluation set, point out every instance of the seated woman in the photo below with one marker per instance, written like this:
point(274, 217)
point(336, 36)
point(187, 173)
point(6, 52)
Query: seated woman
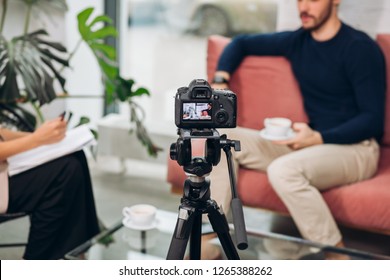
point(57, 195)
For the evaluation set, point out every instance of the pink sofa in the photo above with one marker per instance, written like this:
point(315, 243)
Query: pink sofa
point(266, 87)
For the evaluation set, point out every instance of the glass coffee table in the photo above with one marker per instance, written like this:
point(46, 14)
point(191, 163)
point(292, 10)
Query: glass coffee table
point(133, 244)
point(130, 243)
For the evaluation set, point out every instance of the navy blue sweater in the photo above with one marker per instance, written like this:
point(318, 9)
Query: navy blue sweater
point(342, 80)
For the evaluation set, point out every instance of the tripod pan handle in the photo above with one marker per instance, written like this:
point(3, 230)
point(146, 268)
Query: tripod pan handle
point(239, 224)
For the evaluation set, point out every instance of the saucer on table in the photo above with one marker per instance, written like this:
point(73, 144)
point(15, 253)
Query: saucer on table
point(290, 134)
point(130, 224)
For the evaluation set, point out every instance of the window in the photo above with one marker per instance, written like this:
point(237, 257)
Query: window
point(163, 42)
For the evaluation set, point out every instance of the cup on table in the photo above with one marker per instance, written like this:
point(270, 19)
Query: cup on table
point(277, 127)
point(139, 215)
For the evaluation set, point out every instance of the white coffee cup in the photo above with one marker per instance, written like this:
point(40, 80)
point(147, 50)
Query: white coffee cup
point(140, 214)
point(279, 127)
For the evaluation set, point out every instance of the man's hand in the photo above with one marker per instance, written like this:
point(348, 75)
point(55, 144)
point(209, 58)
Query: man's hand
point(304, 137)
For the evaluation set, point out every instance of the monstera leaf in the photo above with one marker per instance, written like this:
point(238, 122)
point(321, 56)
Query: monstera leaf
point(93, 32)
point(13, 116)
point(28, 68)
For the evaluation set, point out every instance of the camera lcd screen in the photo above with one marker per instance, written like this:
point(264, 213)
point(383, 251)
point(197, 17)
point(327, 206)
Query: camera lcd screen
point(197, 111)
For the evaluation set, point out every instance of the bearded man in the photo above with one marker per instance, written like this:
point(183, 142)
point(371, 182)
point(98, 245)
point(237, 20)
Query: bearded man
point(341, 75)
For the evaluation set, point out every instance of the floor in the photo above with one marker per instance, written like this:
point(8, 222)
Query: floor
point(144, 182)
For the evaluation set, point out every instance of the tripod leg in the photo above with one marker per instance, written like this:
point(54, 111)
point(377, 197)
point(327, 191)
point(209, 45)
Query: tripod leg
point(195, 239)
point(221, 227)
point(181, 234)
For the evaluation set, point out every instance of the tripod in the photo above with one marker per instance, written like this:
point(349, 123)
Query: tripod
point(196, 199)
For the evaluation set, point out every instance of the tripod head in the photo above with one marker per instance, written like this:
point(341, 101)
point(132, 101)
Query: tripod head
point(181, 151)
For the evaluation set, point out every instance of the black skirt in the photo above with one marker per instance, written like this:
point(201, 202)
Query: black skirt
point(59, 198)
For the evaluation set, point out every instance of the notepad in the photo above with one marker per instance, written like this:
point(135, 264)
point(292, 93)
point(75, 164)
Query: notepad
point(75, 139)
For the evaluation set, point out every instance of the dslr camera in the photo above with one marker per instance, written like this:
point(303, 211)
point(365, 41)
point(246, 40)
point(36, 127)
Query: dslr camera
point(199, 106)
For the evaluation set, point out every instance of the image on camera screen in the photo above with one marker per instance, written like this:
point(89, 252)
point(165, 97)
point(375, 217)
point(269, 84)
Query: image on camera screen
point(197, 111)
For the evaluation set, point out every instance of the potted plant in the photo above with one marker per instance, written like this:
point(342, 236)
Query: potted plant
point(31, 67)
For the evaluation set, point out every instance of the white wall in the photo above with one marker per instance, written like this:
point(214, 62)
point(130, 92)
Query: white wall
point(371, 16)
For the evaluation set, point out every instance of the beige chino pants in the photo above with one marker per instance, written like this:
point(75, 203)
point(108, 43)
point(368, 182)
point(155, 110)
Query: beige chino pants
point(298, 176)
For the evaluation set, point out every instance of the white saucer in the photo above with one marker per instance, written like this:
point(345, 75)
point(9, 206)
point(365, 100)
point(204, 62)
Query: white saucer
point(130, 224)
point(289, 135)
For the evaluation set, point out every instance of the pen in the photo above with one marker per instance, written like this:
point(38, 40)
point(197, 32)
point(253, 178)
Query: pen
point(62, 115)
point(69, 117)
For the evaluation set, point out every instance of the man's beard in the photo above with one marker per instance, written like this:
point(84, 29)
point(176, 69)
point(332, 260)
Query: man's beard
point(322, 21)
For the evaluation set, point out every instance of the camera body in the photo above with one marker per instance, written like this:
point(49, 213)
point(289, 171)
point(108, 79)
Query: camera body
point(199, 106)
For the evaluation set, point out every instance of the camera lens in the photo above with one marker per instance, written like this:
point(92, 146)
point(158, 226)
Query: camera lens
point(221, 117)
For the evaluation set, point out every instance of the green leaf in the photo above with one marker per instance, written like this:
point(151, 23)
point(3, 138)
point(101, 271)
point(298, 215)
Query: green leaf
point(101, 18)
point(46, 53)
point(83, 120)
point(116, 87)
point(82, 19)
point(103, 33)
point(110, 91)
point(122, 92)
point(95, 133)
point(110, 71)
point(27, 67)
point(9, 90)
point(58, 76)
point(15, 116)
point(141, 91)
point(107, 50)
point(127, 83)
point(86, 30)
point(54, 45)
